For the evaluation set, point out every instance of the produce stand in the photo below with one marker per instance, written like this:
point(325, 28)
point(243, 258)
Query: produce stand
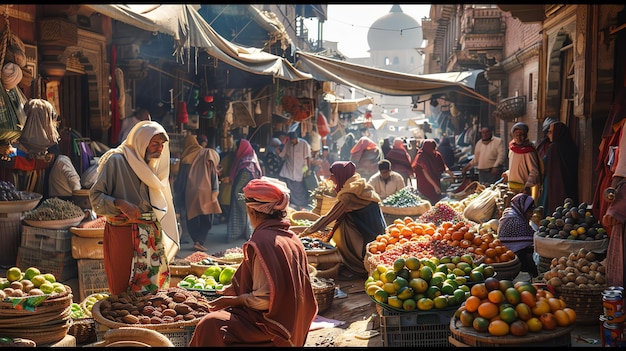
point(467, 336)
point(11, 225)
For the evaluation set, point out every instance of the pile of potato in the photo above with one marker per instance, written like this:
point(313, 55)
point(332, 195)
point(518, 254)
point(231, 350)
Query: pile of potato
point(578, 270)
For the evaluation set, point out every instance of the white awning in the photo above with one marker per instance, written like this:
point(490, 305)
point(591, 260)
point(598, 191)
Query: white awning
point(189, 29)
point(379, 80)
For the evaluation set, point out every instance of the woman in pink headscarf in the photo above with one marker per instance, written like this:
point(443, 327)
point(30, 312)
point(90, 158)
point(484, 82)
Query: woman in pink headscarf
point(428, 166)
point(270, 301)
point(358, 218)
point(366, 154)
point(246, 167)
point(400, 159)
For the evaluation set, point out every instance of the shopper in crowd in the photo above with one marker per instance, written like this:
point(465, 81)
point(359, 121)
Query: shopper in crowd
point(196, 189)
point(128, 123)
point(270, 301)
point(386, 146)
point(560, 180)
point(489, 157)
point(386, 182)
point(273, 162)
point(245, 168)
point(446, 149)
point(542, 146)
point(133, 191)
point(202, 140)
point(62, 179)
point(428, 167)
point(515, 232)
point(365, 155)
point(297, 156)
point(525, 167)
point(357, 215)
point(321, 164)
point(400, 160)
point(348, 144)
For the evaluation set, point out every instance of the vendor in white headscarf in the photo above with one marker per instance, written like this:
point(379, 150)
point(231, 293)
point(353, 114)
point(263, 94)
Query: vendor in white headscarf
point(133, 192)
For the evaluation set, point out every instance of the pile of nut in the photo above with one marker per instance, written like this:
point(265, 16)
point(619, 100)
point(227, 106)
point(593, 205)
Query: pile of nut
point(164, 306)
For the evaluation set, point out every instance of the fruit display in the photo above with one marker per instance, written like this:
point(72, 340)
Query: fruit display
point(425, 284)
point(52, 209)
point(213, 278)
point(31, 282)
point(578, 270)
point(440, 213)
point(164, 306)
point(502, 307)
point(89, 301)
point(77, 312)
point(572, 222)
point(405, 197)
point(8, 192)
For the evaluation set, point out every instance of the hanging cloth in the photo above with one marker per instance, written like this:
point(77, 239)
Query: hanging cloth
point(116, 123)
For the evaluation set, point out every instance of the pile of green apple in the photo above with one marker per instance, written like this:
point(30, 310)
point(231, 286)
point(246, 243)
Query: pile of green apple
point(31, 282)
point(213, 278)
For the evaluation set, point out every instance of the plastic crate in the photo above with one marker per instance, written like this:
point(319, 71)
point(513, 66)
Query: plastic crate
point(91, 277)
point(61, 264)
point(57, 240)
point(415, 329)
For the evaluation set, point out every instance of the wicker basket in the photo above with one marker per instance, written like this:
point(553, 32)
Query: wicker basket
point(133, 337)
point(324, 297)
point(586, 302)
point(84, 330)
point(302, 215)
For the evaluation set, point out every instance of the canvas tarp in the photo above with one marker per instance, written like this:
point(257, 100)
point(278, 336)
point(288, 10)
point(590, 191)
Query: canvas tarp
point(379, 80)
point(189, 29)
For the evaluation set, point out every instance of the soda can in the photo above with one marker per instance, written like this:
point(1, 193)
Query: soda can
point(611, 334)
point(613, 306)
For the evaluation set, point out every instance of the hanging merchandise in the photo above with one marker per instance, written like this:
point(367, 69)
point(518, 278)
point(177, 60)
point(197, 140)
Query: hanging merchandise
point(322, 124)
point(206, 107)
point(181, 112)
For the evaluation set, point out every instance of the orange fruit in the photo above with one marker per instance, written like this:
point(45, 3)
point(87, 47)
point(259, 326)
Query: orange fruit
point(548, 320)
point(472, 303)
point(528, 298)
point(496, 296)
point(540, 308)
point(534, 325)
point(488, 310)
point(562, 318)
point(480, 324)
point(554, 303)
point(498, 328)
point(479, 290)
point(518, 328)
point(571, 313)
point(466, 318)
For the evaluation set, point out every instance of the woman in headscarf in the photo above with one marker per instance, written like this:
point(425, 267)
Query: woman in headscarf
point(525, 167)
point(561, 169)
point(270, 301)
point(428, 166)
point(133, 192)
point(365, 155)
point(515, 232)
point(400, 159)
point(446, 149)
point(197, 188)
point(358, 218)
point(246, 167)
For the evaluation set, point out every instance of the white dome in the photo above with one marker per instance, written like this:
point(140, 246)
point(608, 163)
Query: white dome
point(395, 30)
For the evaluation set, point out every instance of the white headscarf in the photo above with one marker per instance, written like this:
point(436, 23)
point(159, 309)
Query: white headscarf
point(154, 174)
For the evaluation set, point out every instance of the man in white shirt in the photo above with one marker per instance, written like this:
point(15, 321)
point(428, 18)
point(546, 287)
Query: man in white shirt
point(62, 179)
point(297, 155)
point(489, 157)
point(386, 182)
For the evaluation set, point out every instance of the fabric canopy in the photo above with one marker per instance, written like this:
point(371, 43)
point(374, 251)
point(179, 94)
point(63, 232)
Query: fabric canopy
point(467, 78)
point(379, 80)
point(347, 105)
point(189, 29)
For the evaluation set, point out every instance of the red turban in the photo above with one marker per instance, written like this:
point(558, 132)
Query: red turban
point(266, 195)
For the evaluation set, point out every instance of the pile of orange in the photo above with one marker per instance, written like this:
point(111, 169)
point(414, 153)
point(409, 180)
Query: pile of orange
point(480, 243)
point(401, 231)
point(501, 307)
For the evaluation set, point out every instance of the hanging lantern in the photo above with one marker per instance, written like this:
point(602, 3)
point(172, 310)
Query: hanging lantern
point(181, 113)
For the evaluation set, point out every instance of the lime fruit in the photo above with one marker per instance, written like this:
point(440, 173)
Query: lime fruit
point(31, 272)
point(14, 274)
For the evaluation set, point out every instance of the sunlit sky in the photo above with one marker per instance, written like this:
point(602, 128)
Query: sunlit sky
point(348, 24)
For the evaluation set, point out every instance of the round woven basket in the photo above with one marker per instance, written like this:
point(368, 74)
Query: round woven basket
point(100, 319)
point(324, 297)
point(302, 215)
point(586, 302)
point(84, 330)
point(134, 337)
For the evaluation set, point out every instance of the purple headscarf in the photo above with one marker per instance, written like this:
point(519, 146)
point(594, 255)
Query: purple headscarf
point(342, 170)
